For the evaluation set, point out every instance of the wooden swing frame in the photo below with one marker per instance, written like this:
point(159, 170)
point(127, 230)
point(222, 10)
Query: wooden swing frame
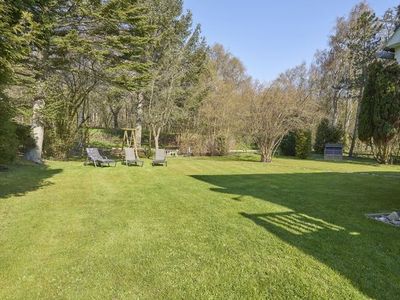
point(129, 139)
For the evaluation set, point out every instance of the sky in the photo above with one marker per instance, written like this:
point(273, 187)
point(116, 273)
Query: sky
point(270, 36)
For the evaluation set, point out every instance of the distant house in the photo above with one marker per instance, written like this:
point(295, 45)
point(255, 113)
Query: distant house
point(392, 49)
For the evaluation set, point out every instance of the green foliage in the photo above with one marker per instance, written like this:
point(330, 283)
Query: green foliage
point(303, 143)
point(25, 138)
point(15, 28)
point(8, 137)
point(288, 145)
point(85, 47)
point(123, 32)
point(327, 133)
point(221, 145)
point(178, 55)
point(13, 137)
point(379, 119)
point(81, 46)
point(105, 137)
point(60, 114)
point(297, 144)
point(363, 40)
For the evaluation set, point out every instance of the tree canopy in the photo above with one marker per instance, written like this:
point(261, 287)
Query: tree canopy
point(379, 117)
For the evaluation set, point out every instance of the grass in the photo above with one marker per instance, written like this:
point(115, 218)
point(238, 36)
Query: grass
point(199, 228)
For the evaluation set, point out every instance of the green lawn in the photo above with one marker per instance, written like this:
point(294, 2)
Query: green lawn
point(199, 228)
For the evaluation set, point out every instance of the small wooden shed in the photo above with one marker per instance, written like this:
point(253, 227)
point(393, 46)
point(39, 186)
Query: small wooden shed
point(333, 151)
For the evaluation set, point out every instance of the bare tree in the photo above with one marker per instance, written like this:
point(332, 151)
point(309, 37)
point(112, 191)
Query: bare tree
point(274, 110)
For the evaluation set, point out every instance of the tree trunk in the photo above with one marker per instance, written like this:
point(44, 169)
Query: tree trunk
point(348, 112)
point(266, 154)
point(115, 114)
point(335, 110)
point(355, 131)
point(115, 119)
point(150, 139)
point(156, 142)
point(156, 134)
point(382, 152)
point(35, 154)
point(139, 120)
point(83, 117)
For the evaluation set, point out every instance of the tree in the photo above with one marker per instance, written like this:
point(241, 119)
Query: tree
point(227, 84)
point(331, 71)
point(326, 133)
point(115, 103)
point(220, 98)
point(340, 71)
point(277, 109)
point(390, 22)
point(303, 143)
point(15, 30)
point(80, 46)
point(177, 56)
point(363, 43)
point(288, 145)
point(379, 116)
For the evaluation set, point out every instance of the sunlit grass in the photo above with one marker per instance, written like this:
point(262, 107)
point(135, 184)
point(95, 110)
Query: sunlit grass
point(199, 228)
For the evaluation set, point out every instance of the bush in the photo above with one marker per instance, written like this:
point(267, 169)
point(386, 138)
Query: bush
point(303, 143)
point(25, 138)
point(221, 145)
point(8, 141)
point(296, 144)
point(105, 137)
point(8, 137)
point(193, 141)
point(327, 133)
point(288, 145)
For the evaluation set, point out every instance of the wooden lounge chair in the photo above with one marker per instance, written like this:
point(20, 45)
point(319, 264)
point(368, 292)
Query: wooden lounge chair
point(131, 159)
point(94, 157)
point(160, 157)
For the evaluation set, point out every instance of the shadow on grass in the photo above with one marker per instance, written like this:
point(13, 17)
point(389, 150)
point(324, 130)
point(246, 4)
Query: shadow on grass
point(253, 157)
point(21, 179)
point(325, 218)
point(349, 160)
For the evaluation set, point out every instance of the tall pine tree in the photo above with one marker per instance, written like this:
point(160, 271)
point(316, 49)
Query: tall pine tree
point(15, 34)
point(379, 118)
point(363, 43)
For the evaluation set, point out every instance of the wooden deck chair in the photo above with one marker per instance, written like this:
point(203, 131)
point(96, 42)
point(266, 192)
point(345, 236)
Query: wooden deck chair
point(131, 159)
point(160, 157)
point(94, 157)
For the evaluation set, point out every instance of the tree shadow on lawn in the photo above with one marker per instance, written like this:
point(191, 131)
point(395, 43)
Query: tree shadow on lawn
point(21, 179)
point(347, 160)
point(326, 219)
point(254, 157)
